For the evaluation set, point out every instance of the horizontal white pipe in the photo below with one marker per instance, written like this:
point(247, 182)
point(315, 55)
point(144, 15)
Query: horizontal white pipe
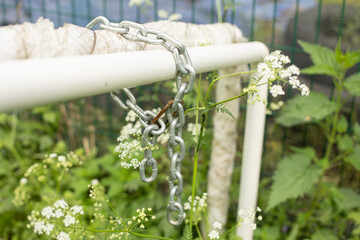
point(34, 82)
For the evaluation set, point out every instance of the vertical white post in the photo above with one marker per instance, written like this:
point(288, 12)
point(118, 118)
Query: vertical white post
point(250, 172)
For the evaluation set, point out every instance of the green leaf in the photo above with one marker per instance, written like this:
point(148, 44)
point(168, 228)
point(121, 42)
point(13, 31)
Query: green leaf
point(351, 58)
point(223, 109)
point(356, 129)
point(323, 59)
point(354, 158)
point(307, 151)
point(301, 110)
point(352, 84)
point(187, 233)
point(293, 178)
point(342, 124)
point(323, 234)
point(345, 142)
point(355, 216)
point(320, 69)
point(349, 200)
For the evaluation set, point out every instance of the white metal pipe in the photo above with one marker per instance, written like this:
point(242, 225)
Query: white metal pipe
point(251, 161)
point(33, 82)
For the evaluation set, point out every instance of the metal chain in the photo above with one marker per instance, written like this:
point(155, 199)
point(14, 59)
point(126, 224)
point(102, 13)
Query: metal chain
point(174, 114)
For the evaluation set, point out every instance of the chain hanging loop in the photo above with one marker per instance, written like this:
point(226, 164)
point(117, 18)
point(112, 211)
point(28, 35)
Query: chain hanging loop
point(153, 125)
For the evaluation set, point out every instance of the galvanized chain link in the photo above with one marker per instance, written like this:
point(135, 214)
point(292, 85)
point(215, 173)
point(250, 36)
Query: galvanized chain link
point(175, 114)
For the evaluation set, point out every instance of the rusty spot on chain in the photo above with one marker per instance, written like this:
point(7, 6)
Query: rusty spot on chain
point(163, 110)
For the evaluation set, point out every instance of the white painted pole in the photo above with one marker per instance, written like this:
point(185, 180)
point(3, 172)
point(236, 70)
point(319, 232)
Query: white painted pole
point(33, 82)
point(251, 162)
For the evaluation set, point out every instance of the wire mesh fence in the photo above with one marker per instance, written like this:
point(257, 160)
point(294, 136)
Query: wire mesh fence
point(277, 23)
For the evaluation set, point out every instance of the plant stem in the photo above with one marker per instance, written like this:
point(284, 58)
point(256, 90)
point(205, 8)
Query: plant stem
point(193, 189)
point(219, 11)
point(335, 119)
point(111, 206)
point(198, 231)
point(149, 236)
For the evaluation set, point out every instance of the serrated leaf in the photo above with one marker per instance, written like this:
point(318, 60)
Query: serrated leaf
point(352, 84)
point(323, 234)
point(301, 110)
point(223, 109)
point(323, 59)
point(306, 151)
point(342, 124)
point(187, 233)
point(350, 199)
point(320, 69)
point(351, 58)
point(293, 178)
point(345, 142)
point(354, 158)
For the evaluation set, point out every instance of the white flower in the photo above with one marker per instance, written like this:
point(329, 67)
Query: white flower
point(52, 155)
point(214, 234)
point(47, 212)
point(142, 226)
point(60, 204)
point(63, 236)
point(276, 90)
point(135, 163)
point(187, 206)
point(259, 217)
point(94, 182)
point(241, 212)
point(293, 70)
point(217, 225)
point(23, 181)
point(48, 228)
point(77, 209)
point(304, 90)
point(139, 2)
point(58, 213)
point(262, 67)
point(284, 73)
point(69, 220)
point(258, 209)
point(284, 59)
point(294, 82)
point(39, 227)
point(253, 226)
point(131, 116)
point(61, 158)
point(162, 13)
point(175, 17)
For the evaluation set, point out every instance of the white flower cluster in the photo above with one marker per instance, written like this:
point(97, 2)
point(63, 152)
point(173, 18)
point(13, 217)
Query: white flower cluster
point(172, 17)
point(139, 3)
point(273, 68)
point(42, 222)
point(214, 234)
point(249, 217)
point(142, 216)
point(134, 163)
point(199, 207)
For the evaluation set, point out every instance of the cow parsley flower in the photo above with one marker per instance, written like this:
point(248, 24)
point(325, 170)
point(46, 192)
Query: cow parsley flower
point(217, 225)
point(69, 220)
point(273, 69)
point(276, 90)
point(214, 234)
point(60, 204)
point(47, 212)
point(23, 181)
point(58, 213)
point(77, 209)
point(63, 236)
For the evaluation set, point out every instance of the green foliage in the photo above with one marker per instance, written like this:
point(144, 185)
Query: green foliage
point(352, 84)
point(301, 110)
point(187, 233)
point(294, 177)
point(323, 234)
point(323, 59)
point(354, 157)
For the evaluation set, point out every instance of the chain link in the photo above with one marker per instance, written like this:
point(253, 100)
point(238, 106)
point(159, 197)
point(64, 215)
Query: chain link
point(174, 114)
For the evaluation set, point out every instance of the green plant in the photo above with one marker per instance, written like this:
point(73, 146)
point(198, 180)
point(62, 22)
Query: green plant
point(326, 203)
